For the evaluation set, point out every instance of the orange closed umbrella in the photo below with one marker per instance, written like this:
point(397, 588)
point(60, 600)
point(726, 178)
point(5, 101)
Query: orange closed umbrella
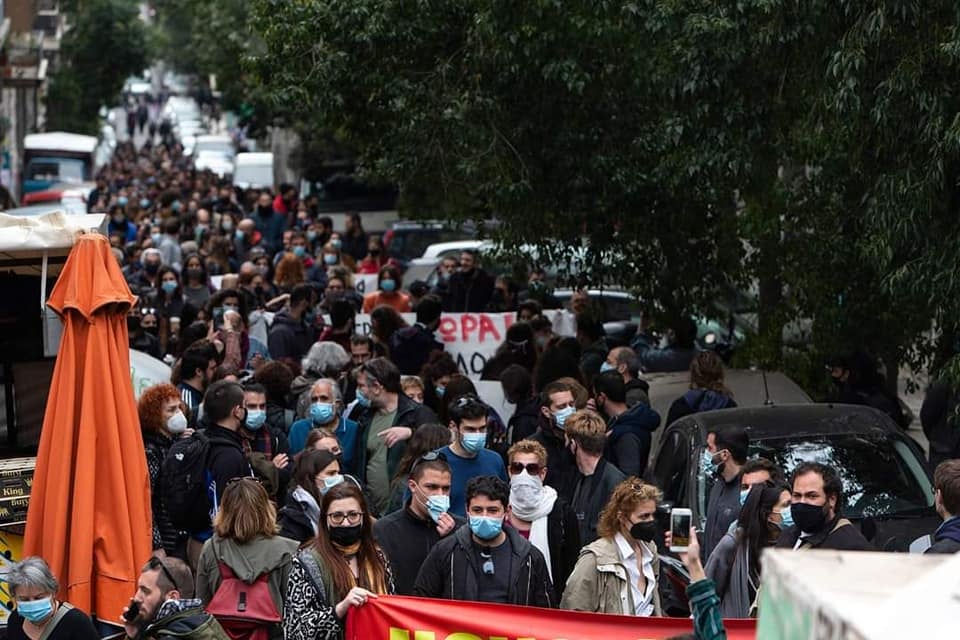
point(89, 514)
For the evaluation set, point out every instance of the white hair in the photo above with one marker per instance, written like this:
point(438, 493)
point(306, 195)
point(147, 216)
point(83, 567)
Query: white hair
point(31, 572)
point(325, 359)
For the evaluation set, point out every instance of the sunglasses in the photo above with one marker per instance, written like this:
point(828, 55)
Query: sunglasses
point(533, 468)
point(429, 456)
point(157, 563)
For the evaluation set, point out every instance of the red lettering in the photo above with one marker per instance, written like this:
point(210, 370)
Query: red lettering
point(487, 326)
point(468, 324)
point(448, 329)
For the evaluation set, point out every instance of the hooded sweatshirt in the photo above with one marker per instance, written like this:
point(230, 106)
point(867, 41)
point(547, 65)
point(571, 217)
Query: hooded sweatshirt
point(628, 439)
point(247, 561)
point(947, 537)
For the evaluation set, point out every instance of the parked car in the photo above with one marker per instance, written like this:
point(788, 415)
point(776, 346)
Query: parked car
point(253, 170)
point(407, 239)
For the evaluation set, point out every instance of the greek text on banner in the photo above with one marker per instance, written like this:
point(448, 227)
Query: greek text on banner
point(403, 618)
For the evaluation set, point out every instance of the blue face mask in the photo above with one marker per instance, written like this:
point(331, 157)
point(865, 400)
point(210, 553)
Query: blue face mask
point(336, 243)
point(156, 237)
point(474, 442)
point(440, 391)
point(169, 286)
point(321, 412)
point(310, 316)
point(255, 419)
point(606, 366)
point(144, 204)
point(743, 496)
point(388, 285)
point(330, 482)
point(485, 528)
point(175, 205)
point(707, 465)
point(362, 400)
point(122, 201)
point(35, 610)
point(311, 235)
point(561, 416)
point(437, 505)
point(299, 251)
point(329, 258)
point(238, 234)
point(786, 518)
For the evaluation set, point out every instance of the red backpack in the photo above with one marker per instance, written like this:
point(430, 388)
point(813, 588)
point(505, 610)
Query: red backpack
point(245, 611)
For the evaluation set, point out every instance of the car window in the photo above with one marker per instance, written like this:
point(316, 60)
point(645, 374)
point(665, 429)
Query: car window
point(412, 243)
point(671, 468)
point(881, 475)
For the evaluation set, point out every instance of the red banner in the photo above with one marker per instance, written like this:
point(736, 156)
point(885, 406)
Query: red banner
point(402, 618)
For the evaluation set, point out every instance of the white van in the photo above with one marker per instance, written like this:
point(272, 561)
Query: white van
point(253, 171)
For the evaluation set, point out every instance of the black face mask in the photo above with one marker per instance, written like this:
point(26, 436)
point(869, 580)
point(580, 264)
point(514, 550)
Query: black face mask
point(345, 536)
point(809, 518)
point(151, 268)
point(644, 531)
point(133, 323)
point(265, 211)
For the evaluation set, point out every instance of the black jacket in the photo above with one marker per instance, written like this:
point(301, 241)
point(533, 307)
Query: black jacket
point(165, 535)
point(936, 418)
point(407, 540)
point(409, 414)
point(525, 420)
point(227, 459)
point(561, 466)
point(469, 293)
point(563, 537)
point(289, 339)
point(590, 496)
point(628, 439)
point(842, 538)
point(410, 348)
point(947, 537)
point(450, 571)
point(293, 520)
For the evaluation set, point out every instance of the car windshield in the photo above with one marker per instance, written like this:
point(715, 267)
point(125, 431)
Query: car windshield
point(881, 476)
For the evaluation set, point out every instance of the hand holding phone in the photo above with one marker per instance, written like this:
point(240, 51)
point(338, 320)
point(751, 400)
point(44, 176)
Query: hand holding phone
point(680, 522)
point(132, 611)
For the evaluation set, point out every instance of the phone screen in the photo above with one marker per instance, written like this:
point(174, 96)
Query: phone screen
point(218, 318)
point(680, 529)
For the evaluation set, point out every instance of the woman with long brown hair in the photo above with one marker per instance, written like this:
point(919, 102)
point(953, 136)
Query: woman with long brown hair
point(289, 273)
point(707, 389)
point(342, 569)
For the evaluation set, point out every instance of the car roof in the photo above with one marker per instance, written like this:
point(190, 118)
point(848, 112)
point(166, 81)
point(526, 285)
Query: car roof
point(254, 158)
point(214, 138)
point(60, 141)
point(797, 420)
point(440, 248)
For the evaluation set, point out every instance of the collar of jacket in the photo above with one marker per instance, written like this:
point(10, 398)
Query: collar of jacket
point(820, 537)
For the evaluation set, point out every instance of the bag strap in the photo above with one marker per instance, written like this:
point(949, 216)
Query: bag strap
point(61, 613)
point(841, 523)
point(312, 568)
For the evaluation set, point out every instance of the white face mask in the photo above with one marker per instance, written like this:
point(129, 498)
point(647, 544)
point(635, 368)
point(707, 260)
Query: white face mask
point(177, 423)
point(526, 491)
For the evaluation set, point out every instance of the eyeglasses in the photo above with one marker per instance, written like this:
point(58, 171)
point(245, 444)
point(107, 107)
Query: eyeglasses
point(157, 563)
point(233, 481)
point(352, 517)
point(533, 468)
point(487, 567)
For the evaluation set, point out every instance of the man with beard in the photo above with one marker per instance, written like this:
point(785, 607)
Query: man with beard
point(816, 506)
point(269, 223)
point(197, 366)
point(470, 288)
point(556, 405)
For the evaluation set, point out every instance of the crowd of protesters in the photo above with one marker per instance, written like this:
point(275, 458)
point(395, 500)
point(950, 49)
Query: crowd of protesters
point(341, 467)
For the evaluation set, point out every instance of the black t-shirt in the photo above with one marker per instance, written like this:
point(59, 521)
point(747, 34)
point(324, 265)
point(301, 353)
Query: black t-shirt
point(75, 625)
point(495, 586)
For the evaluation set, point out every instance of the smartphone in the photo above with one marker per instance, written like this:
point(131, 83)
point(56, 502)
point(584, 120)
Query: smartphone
point(217, 318)
point(132, 611)
point(680, 522)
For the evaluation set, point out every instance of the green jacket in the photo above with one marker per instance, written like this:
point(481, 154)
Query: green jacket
point(600, 584)
point(707, 623)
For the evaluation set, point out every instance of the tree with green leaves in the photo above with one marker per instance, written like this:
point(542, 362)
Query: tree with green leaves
point(106, 43)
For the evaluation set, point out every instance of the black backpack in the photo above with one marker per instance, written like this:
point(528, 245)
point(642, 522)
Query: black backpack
point(184, 481)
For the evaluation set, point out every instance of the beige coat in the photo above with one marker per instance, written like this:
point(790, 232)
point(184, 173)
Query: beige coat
point(599, 582)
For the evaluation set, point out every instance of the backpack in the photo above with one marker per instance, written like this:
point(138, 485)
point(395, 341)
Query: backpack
point(245, 611)
point(183, 483)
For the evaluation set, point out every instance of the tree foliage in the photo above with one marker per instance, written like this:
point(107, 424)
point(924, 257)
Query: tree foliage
point(803, 151)
point(105, 44)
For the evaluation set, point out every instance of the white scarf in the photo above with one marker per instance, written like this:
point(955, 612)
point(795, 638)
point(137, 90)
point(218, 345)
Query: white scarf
point(310, 507)
point(532, 502)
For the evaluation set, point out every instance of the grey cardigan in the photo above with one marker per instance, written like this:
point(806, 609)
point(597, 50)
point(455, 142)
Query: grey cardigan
point(729, 568)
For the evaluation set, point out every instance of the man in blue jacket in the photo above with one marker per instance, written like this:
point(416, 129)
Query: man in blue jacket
point(629, 430)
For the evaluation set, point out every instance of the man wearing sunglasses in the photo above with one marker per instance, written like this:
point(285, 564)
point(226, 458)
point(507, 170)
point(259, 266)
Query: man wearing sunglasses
point(164, 604)
point(538, 514)
point(485, 561)
point(408, 534)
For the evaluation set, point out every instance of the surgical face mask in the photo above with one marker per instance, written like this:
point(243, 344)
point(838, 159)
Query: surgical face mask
point(329, 258)
point(606, 366)
point(561, 416)
point(299, 251)
point(743, 496)
point(156, 237)
point(177, 423)
point(474, 442)
point(786, 518)
point(330, 482)
point(255, 419)
point(362, 399)
point(239, 234)
point(436, 505)
point(144, 204)
point(440, 389)
point(486, 528)
point(388, 285)
point(336, 243)
point(311, 236)
point(169, 286)
point(707, 465)
point(526, 492)
point(321, 412)
point(122, 201)
point(35, 610)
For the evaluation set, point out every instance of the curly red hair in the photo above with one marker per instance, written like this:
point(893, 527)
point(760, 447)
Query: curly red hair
point(150, 406)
